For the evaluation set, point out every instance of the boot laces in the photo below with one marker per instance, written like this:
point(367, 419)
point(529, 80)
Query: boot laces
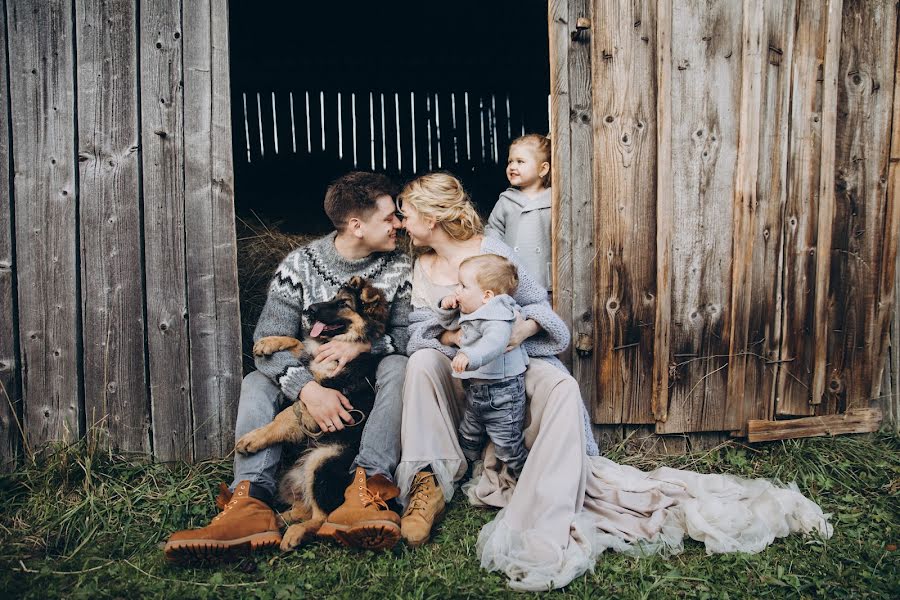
point(369, 498)
point(419, 493)
point(231, 504)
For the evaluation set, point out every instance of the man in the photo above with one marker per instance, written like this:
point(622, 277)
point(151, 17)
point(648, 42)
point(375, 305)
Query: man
point(362, 209)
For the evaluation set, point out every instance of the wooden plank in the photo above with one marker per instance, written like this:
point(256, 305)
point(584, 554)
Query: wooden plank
point(706, 74)
point(199, 246)
point(282, 125)
point(561, 175)
point(665, 217)
point(740, 402)
point(407, 148)
point(801, 211)
point(115, 388)
point(581, 136)
point(42, 88)
point(866, 218)
point(826, 212)
point(228, 311)
point(764, 338)
point(162, 143)
point(890, 402)
point(857, 420)
point(624, 128)
point(10, 399)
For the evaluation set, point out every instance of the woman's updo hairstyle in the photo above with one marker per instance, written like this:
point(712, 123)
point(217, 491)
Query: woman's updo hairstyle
point(441, 196)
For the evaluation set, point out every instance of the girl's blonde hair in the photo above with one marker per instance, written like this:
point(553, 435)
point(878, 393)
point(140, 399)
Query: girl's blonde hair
point(442, 197)
point(541, 146)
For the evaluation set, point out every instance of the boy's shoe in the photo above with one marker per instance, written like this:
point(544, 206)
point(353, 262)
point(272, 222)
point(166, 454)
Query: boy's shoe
point(245, 524)
point(426, 508)
point(364, 519)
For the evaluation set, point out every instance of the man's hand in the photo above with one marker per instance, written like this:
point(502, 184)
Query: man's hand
point(450, 338)
point(342, 352)
point(460, 362)
point(521, 331)
point(449, 302)
point(326, 406)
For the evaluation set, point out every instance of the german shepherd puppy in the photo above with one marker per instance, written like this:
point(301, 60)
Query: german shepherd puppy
point(314, 486)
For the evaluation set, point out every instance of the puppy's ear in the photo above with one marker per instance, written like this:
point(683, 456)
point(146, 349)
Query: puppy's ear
point(374, 304)
point(356, 283)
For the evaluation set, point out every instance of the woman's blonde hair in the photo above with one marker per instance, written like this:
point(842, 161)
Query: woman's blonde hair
point(441, 196)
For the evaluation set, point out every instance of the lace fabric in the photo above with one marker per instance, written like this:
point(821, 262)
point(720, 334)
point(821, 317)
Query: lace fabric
point(627, 510)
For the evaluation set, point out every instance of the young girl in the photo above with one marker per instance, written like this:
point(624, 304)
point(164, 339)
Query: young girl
point(521, 217)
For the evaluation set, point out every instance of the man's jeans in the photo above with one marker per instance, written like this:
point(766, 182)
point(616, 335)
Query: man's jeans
point(379, 450)
point(495, 410)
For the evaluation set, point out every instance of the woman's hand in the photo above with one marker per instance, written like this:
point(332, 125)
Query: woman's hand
point(521, 331)
point(451, 338)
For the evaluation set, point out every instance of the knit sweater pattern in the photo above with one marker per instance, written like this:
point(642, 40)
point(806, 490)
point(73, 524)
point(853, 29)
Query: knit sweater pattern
point(314, 273)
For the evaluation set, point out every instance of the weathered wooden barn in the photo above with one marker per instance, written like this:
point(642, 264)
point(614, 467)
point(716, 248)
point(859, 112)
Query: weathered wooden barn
point(724, 174)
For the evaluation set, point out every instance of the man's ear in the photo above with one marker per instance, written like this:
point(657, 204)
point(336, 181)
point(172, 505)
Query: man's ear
point(354, 226)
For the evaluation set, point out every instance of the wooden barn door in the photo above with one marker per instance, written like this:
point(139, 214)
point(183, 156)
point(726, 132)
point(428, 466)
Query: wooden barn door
point(725, 241)
point(118, 286)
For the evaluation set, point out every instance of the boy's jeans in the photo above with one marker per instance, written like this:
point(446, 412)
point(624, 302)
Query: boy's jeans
point(498, 410)
point(379, 449)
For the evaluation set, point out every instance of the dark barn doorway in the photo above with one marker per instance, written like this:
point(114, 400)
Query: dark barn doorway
point(400, 87)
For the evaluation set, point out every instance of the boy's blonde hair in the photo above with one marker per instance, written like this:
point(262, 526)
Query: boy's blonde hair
point(542, 150)
point(494, 273)
point(441, 196)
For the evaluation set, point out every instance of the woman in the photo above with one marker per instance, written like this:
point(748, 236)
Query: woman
point(567, 505)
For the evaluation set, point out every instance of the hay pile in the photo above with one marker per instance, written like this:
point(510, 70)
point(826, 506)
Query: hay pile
point(260, 247)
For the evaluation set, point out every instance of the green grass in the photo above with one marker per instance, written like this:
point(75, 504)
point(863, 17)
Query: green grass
point(80, 523)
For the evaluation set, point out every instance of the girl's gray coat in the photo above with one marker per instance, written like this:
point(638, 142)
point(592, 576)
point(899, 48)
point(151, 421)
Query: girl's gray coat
point(524, 224)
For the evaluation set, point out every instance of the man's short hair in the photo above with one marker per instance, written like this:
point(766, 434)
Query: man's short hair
point(354, 195)
point(494, 273)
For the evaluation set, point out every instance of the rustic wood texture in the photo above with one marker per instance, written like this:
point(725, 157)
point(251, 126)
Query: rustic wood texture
point(801, 211)
point(705, 92)
point(228, 310)
point(162, 141)
point(561, 176)
point(624, 107)
point(746, 204)
point(572, 186)
point(855, 420)
point(10, 399)
point(865, 224)
point(889, 399)
point(43, 129)
point(209, 219)
point(665, 215)
point(826, 214)
point(764, 325)
point(115, 390)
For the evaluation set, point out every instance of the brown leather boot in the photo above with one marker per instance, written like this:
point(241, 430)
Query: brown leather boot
point(245, 524)
point(364, 519)
point(425, 510)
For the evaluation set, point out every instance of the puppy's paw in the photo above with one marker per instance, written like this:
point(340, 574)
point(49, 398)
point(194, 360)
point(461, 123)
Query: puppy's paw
point(269, 345)
point(296, 534)
point(250, 443)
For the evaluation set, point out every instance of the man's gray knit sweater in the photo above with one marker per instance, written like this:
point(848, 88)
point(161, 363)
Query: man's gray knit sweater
point(313, 273)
